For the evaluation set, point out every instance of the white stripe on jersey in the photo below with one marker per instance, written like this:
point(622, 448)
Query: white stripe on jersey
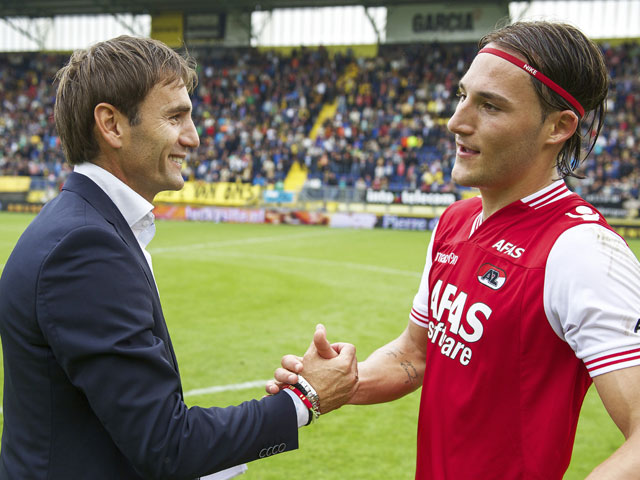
point(476, 224)
point(554, 192)
point(614, 361)
point(419, 318)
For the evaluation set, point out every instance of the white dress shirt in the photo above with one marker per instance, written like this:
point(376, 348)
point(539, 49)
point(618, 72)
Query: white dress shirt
point(137, 212)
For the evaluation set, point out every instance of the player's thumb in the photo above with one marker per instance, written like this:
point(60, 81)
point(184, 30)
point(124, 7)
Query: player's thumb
point(322, 344)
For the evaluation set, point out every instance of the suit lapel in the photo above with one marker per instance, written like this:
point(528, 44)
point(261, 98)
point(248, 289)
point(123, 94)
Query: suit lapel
point(93, 194)
point(98, 199)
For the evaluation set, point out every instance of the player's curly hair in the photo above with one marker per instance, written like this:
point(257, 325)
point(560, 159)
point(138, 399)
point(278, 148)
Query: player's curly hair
point(565, 55)
point(121, 72)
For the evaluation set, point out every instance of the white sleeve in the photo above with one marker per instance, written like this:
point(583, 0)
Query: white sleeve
point(592, 297)
point(420, 311)
point(302, 412)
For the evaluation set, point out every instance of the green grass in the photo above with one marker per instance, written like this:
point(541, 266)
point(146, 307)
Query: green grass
point(238, 297)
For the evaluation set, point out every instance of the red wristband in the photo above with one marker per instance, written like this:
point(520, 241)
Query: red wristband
point(301, 396)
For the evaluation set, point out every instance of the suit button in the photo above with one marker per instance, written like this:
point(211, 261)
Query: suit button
point(272, 450)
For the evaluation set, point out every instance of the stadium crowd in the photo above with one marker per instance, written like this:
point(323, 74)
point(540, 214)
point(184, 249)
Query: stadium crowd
point(255, 112)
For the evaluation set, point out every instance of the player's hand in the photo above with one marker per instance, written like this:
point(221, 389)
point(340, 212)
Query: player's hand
point(332, 370)
point(292, 364)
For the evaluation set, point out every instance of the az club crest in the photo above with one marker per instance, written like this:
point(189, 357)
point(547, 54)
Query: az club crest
point(490, 276)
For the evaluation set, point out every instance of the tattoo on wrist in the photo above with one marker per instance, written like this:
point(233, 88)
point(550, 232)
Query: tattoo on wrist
point(411, 372)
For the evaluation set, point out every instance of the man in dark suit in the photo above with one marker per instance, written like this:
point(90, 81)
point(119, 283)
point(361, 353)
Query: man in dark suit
point(92, 388)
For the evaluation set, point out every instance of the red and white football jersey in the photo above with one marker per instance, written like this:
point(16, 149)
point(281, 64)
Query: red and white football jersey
point(521, 310)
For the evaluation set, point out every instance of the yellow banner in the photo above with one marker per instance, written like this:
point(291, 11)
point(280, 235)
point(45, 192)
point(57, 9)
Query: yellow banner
point(222, 193)
point(14, 184)
point(36, 196)
point(168, 28)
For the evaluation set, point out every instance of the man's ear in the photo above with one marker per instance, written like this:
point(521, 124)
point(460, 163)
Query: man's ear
point(109, 124)
point(563, 126)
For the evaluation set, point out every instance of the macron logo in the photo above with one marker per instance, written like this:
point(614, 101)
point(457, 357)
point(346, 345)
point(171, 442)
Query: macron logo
point(450, 258)
point(530, 69)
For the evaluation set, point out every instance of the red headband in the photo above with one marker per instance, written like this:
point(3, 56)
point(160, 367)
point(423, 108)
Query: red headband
point(538, 75)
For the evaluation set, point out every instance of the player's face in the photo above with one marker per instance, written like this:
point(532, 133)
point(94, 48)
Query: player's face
point(499, 130)
point(155, 148)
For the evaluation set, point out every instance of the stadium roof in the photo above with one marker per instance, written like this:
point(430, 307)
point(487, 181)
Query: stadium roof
point(48, 8)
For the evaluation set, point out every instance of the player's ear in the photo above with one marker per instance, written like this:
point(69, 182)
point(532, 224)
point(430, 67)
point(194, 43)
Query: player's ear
point(563, 125)
point(109, 124)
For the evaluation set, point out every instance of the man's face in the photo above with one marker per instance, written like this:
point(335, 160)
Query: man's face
point(499, 131)
point(154, 148)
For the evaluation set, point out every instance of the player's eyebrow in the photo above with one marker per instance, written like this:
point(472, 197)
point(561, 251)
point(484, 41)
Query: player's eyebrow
point(487, 95)
point(180, 108)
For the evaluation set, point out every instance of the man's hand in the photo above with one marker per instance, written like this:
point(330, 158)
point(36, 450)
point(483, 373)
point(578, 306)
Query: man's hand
point(331, 369)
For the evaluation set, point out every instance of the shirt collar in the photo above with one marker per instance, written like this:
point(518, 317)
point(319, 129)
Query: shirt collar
point(132, 205)
point(554, 192)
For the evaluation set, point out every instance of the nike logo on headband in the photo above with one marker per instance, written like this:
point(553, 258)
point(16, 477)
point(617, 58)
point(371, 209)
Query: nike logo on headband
point(537, 75)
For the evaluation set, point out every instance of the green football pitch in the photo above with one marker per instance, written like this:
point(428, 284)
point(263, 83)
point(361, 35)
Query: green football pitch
point(238, 297)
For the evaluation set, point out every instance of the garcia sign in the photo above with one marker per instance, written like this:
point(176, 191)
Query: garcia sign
point(442, 22)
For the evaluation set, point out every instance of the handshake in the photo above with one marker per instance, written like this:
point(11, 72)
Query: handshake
point(330, 369)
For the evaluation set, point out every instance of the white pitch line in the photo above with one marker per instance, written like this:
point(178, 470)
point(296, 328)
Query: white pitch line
point(226, 388)
point(232, 243)
point(253, 240)
point(323, 262)
point(218, 388)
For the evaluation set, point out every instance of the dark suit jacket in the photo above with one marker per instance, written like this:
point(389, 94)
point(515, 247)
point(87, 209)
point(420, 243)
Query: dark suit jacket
point(91, 382)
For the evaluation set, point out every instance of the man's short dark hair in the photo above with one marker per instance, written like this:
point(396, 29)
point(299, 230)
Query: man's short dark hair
point(121, 72)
